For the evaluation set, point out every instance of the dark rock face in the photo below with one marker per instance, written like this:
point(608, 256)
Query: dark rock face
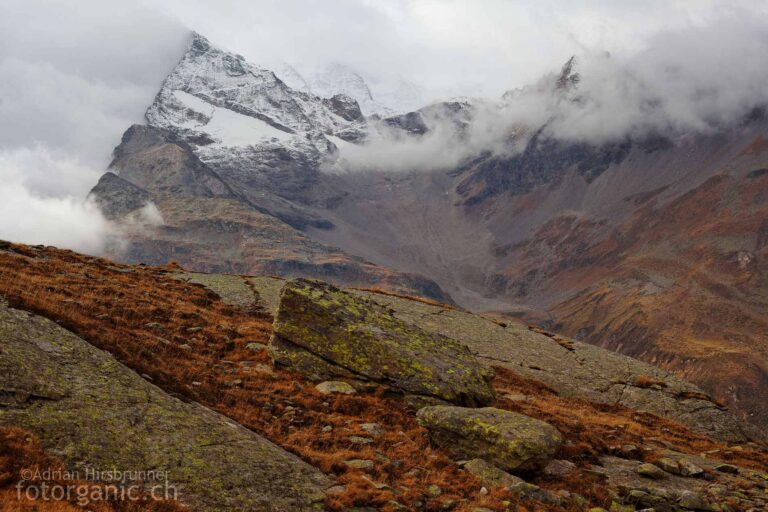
point(412, 122)
point(543, 160)
point(117, 197)
point(345, 107)
point(568, 77)
point(93, 411)
point(324, 332)
point(159, 163)
point(510, 441)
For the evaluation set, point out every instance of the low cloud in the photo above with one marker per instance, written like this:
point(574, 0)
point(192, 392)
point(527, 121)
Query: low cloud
point(71, 81)
point(701, 78)
point(39, 205)
point(32, 212)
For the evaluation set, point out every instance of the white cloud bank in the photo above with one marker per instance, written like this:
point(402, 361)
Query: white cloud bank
point(699, 78)
point(72, 79)
point(28, 214)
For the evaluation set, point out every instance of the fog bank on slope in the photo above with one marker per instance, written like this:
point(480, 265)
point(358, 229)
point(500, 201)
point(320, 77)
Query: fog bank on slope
point(694, 79)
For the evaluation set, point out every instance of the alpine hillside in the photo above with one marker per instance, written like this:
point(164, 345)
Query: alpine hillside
point(654, 246)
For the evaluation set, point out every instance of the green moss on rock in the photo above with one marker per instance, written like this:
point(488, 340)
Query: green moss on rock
point(324, 332)
point(508, 440)
point(94, 412)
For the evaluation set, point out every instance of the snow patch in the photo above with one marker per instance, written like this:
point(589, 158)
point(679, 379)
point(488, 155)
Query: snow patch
point(226, 126)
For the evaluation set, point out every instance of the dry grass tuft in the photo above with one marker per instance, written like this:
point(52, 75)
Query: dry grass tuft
point(645, 381)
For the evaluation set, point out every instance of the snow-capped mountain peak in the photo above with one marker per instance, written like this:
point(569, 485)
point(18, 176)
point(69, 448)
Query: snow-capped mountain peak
point(223, 80)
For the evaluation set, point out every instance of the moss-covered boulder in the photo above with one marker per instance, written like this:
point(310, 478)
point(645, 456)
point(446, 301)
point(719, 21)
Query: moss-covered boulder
point(572, 368)
point(489, 475)
point(324, 332)
point(508, 440)
point(95, 413)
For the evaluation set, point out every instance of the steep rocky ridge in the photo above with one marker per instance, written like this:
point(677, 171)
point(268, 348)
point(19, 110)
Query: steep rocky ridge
point(231, 157)
point(210, 224)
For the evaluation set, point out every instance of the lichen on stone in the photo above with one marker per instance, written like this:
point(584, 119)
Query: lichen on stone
point(324, 332)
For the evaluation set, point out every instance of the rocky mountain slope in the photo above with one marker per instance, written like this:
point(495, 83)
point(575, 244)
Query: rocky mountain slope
point(652, 246)
point(76, 398)
point(75, 328)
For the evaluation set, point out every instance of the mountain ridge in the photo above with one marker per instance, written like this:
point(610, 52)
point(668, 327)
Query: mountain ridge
point(539, 230)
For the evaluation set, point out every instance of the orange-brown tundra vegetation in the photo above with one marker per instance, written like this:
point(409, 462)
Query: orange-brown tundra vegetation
point(21, 455)
point(191, 344)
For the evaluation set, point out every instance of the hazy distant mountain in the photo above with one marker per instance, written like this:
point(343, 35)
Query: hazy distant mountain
point(375, 95)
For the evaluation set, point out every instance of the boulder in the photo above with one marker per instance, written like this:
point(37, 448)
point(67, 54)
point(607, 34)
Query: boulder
point(324, 332)
point(651, 471)
point(330, 387)
point(510, 441)
point(359, 464)
point(694, 501)
point(94, 412)
point(559, 468)
point(373, 429)
point(527, 491)
point(688, 468)
point(727, 468)
point(579, 370)
point(489, 475)
point(680, 466)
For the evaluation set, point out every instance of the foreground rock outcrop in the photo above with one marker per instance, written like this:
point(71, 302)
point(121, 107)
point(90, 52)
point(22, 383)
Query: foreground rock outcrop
point(715, 490)
point(94, 412)
point(509, 440)
point(569, 367)
point(324, 332)
point(575, 369)
point(184, 339)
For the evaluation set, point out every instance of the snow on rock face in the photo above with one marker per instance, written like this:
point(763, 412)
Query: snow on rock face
point(335, 79)
point(228, 109)
point(227, 126)
point(290, 76)
point(340, 79)
point(250, 125)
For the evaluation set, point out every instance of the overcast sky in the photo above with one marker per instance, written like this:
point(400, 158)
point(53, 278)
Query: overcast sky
point(74, 74)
